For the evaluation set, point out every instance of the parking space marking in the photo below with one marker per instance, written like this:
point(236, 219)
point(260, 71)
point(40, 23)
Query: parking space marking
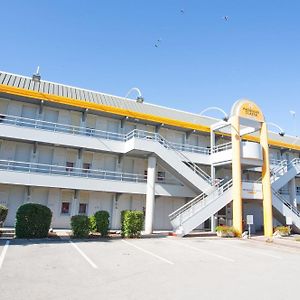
point(3, 253)
point(149, 252)
point(252, 250)
point(93, 265)
point(205, 252)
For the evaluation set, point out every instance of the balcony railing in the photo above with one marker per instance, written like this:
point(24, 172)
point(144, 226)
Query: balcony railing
point(222, 147)
point(86, 131)
point(30, 167)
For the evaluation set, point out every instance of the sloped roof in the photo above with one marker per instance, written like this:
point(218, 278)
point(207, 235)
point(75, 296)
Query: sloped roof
point(124, 105)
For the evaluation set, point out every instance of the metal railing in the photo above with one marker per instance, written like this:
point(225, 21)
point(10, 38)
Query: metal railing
point(222, 147)
point(286, 203)
point(86, 131)
point(205, 198)
point(145, 135)
point(58, 127)
point(283, 168)
point(30, 167)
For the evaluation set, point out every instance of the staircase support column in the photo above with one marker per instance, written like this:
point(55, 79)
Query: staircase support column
point(266, 183)
point(237, 206)
point(150, 196)
point(293, 192)
point(213, 221)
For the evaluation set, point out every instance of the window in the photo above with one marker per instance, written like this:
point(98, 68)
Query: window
point(65, 208)
point(69, 166)
point(161, 176)
point(86, 167)
point(82, 208)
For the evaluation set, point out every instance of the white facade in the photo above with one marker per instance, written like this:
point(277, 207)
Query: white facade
point(79, 161)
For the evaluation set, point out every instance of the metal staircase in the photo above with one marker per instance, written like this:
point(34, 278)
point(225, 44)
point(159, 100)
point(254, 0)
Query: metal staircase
point(282, 174)
point(187, 171)
point(199, 209)
point(286, 209)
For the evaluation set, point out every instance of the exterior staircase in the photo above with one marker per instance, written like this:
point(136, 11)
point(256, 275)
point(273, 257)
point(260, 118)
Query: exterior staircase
point(284, 172)
point(185, 170)
point(285, 209)
point(199, 209)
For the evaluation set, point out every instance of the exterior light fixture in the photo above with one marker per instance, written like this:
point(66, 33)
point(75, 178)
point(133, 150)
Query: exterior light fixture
point(281, 131)
point(140, 98)
point(225, 118)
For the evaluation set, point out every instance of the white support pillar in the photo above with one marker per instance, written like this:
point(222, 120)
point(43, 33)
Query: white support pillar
point(213, 223)
point(213, 176)
point(75, 203)
point(78, 163)
point(293, 192)
point(115, 217)
point(150, 196)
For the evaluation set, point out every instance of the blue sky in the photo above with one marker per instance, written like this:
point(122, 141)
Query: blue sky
point(201, 61)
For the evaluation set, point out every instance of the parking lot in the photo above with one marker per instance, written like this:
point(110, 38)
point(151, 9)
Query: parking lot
point(154, 268)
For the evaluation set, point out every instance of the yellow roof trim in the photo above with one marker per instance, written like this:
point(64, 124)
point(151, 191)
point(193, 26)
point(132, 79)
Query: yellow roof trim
point(100, 107)
point(124, 112)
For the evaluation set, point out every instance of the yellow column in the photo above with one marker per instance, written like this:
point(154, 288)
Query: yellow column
point(237, 208)
point(266, 183)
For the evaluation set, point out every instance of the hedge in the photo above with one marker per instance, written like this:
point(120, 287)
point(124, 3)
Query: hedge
point(93, 226)
point(80, 226)
point(33, 221)
point(132, 223)
point(3, 214)
point(102, 222)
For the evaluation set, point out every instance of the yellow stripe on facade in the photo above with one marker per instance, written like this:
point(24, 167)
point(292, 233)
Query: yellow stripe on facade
point(123, 112)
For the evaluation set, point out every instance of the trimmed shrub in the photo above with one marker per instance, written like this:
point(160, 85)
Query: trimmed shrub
point(282, 230)
point(33, 221)
point(93, 226)
point(102, 222)
point(132, 223)
point(80, 226)
point(3, 214)
point(226, 231)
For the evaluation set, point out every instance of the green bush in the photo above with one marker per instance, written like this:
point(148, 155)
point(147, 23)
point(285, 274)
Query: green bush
point(3, 214)
point(132, 223)
point(80, 226)
point(93, 226)
point(33, 221)
point(102, 222)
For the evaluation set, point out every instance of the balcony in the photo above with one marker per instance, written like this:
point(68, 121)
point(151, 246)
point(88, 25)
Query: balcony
point(68, 135)
point(36, 174)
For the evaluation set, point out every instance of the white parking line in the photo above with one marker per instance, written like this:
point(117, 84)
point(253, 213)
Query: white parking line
point(84, 255)
point(251, 250)
point(149, 252)
point(205, 252)
point(3, 253)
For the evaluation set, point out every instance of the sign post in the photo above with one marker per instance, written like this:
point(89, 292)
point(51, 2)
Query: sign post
point(249, 223)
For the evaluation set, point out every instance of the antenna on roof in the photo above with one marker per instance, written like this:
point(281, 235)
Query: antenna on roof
point(37, 77)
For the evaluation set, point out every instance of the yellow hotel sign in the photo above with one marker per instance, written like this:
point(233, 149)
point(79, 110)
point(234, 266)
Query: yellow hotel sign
point(250, 110)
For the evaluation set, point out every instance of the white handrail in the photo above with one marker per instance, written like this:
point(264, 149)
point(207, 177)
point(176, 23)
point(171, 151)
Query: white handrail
point(204, 196)
point(286, 203)
point(86, 131)
point(158, 138)
point(32, 167)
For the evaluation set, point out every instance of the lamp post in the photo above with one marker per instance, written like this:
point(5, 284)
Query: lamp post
point(281, 131)
point(140, 98)
point(225, 118)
